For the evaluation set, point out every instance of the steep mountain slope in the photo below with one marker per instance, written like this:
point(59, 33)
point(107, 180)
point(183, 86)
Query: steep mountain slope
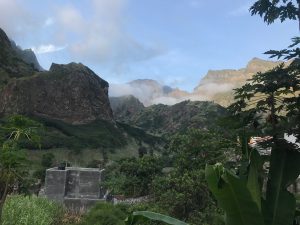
point(162, 119)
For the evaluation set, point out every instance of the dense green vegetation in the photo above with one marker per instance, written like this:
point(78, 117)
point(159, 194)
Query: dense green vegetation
point(104, 213)
point(20, 210)
point(174, 182)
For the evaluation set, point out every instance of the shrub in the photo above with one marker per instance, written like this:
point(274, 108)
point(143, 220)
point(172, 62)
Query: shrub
point(21, 210)
point(104, 214)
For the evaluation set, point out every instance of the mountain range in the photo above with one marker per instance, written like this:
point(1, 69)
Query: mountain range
point(216, 86)
point(74, 103)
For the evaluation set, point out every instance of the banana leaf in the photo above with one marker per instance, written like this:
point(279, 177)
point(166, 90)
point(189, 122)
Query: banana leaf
point(280, 204)
point(253, 185)
point(233, 196)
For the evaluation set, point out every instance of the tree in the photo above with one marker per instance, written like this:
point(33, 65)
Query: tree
point(272, 10)
point(183, 192)
point(12, 159)
point(184, 196)
point(267, 97)
point(132, 176)
point(47, 160)
point(195, 148)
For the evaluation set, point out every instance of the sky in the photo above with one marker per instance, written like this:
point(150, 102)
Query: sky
point(172, 41)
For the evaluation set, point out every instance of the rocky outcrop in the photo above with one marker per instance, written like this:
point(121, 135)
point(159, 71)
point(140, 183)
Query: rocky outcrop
point(125, 107)
point(72, 93)
point(236, 77)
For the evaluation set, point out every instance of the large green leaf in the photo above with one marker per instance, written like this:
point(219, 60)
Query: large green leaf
point(146, 215)
point(253, 185)
point(279, 207)
point(233, 196)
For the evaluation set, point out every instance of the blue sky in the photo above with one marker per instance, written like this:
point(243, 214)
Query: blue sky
point(173, 41)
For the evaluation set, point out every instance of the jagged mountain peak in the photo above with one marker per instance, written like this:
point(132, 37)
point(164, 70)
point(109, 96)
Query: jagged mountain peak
point(260, 65)
point(72, 93)
point(27, 55)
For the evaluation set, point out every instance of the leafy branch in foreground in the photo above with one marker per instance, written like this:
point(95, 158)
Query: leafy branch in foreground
point(271, 10)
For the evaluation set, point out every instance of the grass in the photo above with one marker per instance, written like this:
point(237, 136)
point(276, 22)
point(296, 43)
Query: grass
point(21, 210)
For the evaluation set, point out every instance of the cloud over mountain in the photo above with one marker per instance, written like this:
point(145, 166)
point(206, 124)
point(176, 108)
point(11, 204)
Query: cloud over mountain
point(94, 34)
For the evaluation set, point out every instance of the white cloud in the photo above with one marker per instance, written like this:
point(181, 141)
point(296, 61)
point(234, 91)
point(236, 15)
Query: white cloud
point(210, 89)
point(146, 94)
point(166, 100)
point(101, 38)
point(94, 31)
point(16, 20)
point(42, 49)
point(70, 19)
point(150, 95)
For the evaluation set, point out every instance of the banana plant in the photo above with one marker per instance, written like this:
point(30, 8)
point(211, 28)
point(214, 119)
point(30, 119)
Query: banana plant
point(242, 199)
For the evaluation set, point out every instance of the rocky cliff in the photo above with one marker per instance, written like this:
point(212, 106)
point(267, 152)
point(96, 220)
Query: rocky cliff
point(236, 77)
point(218, 85)
point(71, 93)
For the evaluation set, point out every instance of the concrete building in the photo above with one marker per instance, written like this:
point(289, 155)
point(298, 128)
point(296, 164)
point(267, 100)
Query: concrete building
point(76, 188)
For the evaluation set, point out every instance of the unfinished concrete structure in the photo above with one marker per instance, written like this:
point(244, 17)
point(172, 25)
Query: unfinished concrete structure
point(76, 188)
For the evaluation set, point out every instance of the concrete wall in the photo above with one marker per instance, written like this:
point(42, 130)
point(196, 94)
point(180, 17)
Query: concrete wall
point(55, 184)
point(75, 187)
